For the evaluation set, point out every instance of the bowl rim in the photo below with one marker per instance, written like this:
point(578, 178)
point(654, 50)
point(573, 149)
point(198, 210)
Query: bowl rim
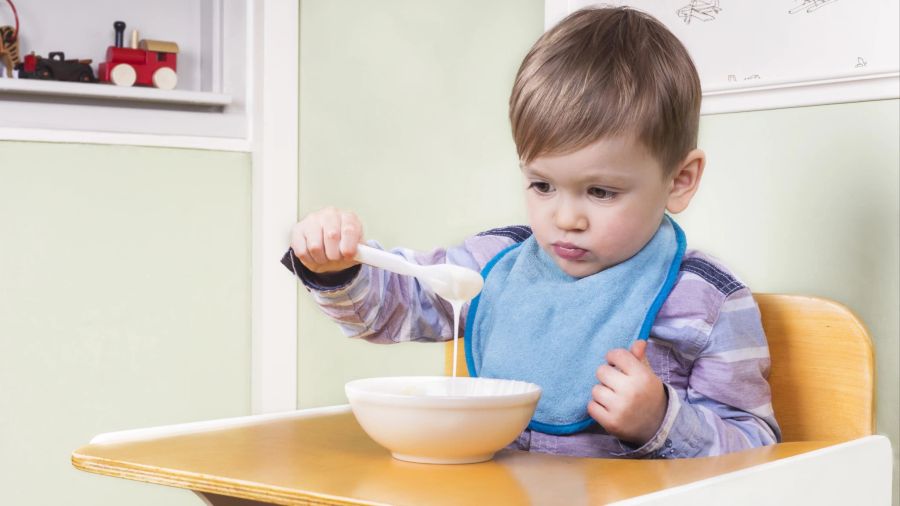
point(355, 392)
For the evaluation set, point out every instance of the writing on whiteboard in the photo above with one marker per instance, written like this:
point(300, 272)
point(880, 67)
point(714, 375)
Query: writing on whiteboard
point(704, 10)
point(810, 5)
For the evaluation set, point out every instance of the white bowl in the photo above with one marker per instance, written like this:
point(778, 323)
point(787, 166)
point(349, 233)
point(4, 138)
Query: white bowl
point(442, 420)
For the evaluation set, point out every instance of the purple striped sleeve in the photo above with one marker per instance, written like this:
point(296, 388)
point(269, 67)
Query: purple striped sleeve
point(723, 402)
point(383, 307)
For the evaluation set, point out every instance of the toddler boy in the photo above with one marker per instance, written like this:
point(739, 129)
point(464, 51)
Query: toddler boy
point(642, 347)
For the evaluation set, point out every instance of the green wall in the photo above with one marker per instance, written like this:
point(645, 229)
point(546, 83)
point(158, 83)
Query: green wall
point(124, 303)
point(403, 119)
point(807, 200)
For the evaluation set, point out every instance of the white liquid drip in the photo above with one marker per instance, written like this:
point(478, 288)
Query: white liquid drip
point(457, 308)
point(454, 283)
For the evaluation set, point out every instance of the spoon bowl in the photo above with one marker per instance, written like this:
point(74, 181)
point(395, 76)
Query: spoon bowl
point(452, 282)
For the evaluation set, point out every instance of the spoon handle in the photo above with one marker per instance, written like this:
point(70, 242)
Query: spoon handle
point(385, 260)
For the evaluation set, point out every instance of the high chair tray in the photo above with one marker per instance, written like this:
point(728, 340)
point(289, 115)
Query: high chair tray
point(322, 456)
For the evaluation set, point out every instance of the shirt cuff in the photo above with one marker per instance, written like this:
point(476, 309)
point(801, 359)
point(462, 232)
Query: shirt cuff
point(320, 281)
point(660, 445)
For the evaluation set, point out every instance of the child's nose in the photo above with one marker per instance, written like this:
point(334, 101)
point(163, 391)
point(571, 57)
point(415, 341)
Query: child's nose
point(569, 216)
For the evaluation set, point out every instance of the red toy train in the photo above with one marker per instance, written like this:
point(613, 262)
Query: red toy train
point(148, 63)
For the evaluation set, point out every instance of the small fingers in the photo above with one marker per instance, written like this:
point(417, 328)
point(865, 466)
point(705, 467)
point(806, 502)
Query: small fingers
point(610, 377)
point(331, 234)
point(639, 350)
point(601, 407)
point(623, 360)
point(351, 234)
point(602, 395)
point(315, 246)
point(598, 412)
point(605, 407)
point(326, 240)
point(300, 245)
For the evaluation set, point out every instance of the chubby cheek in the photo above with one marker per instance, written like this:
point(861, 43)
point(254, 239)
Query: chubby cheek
point(618, 230)
point(540, 220)
point(542, 236)
point(621, 237)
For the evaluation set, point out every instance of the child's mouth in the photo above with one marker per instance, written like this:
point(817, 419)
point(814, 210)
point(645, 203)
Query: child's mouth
point(568, 251)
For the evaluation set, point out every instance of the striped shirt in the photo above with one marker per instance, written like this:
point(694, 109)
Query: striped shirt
point(706, 345)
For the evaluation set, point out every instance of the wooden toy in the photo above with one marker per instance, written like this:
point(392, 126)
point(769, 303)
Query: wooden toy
point(56, 68)
point(9, 43)
point(146, 63)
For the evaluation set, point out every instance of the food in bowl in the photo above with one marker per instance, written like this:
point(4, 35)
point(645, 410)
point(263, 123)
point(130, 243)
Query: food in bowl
point(442, 420)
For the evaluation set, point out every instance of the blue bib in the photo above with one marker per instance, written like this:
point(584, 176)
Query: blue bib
point(533, 322)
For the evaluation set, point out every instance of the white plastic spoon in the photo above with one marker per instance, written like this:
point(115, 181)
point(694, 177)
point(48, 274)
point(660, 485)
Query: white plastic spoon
point(452, 282)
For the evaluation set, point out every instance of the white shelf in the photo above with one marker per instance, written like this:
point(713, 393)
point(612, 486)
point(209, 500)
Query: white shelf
point(209, 107)
point(112, 92)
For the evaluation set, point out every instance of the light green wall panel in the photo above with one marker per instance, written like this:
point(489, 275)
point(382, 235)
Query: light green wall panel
point(403, 118)
point(807, 200)
point(124, 303)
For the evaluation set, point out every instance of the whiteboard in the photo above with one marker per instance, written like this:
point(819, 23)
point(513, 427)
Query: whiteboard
point(779, 53)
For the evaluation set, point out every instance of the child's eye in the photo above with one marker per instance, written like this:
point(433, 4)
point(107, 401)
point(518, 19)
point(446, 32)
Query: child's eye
point(601, 193)
point(540, 187)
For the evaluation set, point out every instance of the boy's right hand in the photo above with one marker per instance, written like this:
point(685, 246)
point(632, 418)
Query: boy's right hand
point(325, 240)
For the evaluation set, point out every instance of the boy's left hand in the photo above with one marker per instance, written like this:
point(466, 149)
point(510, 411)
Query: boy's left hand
point(630, 401)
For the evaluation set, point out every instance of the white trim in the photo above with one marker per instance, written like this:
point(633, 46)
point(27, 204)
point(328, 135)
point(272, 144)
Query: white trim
point(211, 62)
point(132, 435)
point(273, 93)
point(136, 94)
point(116, 138)
point(854, 472)
point(801, 94)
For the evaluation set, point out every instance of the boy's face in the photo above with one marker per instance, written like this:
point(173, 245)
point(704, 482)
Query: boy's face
point(595, 207)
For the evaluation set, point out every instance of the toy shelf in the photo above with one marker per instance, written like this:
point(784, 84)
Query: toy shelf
point(209, 107)
point(119, 94)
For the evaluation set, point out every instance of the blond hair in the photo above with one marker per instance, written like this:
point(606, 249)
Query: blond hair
point(604, 72)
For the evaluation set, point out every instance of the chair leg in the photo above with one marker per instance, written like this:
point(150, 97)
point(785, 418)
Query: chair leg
point(224, 500)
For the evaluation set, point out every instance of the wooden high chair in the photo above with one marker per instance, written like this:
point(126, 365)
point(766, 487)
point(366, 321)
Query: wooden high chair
point(823, 368)
point(822, 380)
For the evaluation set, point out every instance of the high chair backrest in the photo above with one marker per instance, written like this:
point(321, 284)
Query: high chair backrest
point(823, 368)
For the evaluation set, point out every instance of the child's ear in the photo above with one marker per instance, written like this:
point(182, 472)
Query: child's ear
point(685, 180)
